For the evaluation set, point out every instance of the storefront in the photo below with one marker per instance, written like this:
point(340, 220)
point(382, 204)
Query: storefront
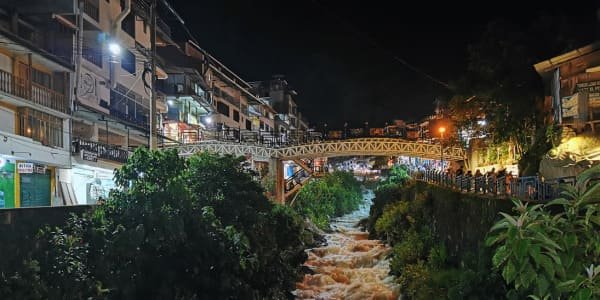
point(34, 184)
point(25, 184)
point(91, 184)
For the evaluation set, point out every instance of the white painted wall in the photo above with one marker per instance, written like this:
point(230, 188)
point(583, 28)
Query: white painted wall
point(5, 63)
point(20, 147)
point(7, 120)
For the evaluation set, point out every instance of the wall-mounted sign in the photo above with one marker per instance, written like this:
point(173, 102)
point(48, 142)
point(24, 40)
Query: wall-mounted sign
point(570, 106)
point(25, 168)
point(39, 169)
point(89, 156)
point(590, 87)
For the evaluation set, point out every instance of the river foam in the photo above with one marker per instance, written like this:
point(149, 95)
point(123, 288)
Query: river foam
point(351, 266)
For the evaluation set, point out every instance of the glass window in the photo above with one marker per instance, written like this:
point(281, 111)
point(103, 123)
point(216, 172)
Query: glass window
point(40, 77)
point(128, 25)
point(128, 61)
point(223, 108)
point(236, 115)
point(41, 127)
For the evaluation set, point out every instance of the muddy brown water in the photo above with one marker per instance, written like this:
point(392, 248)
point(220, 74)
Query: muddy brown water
point(350, 266)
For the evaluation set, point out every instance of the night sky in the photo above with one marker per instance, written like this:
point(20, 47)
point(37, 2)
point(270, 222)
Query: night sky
point(339, 55)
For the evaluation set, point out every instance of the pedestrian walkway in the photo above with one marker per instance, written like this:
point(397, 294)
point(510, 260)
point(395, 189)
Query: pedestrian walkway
point(527, 188)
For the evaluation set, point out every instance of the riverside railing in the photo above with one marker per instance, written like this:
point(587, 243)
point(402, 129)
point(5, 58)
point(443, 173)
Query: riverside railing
point(528, 188)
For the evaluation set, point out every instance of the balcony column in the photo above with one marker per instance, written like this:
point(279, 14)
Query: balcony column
point(94, 133)
point(276, 170)
point(126, 144)
point(30, 77)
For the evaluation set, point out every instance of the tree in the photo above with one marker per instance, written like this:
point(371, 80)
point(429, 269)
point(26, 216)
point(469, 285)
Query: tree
point(176, 229)
point(501, 85)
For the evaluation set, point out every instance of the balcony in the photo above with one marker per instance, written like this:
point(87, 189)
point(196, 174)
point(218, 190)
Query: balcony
point(103, 151)
point(90, 7)
point(38, 94)
point(93, 55)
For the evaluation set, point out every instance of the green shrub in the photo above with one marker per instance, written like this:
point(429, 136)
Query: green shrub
point(334, 195)
point(406, 216)
point(438, 257)
point(394, 221)
point(414, 281)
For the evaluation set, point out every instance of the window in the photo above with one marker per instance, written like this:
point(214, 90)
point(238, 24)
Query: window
point(223, 108)
point(41, 78)
point(236, 115)
point(92, 52)
point(128, 25)
point(128, 61)
point(248, 125)
point(41, 127)
point(129, 106)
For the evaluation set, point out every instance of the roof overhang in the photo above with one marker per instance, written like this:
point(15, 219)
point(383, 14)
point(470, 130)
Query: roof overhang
point(549, 65)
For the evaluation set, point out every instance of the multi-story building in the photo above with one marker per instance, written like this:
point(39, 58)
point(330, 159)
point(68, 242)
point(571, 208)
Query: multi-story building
point(75, 92)
point(112, 101)
point(186, 93)
point(573, 88)
point(235, 106)
point(280, 95)
point(36, 66)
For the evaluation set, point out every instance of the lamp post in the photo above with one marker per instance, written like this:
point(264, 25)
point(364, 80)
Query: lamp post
point(442, 130)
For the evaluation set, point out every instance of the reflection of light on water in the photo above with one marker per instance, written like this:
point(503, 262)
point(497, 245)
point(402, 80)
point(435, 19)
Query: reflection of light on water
point(351, 266)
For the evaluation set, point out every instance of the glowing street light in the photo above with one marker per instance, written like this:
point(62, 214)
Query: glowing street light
point(114, 48)
point(442, 130)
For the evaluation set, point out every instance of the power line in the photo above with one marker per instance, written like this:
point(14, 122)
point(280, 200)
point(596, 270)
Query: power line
point(378, 46)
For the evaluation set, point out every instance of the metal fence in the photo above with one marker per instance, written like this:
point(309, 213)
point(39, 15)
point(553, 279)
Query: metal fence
point(528, 188)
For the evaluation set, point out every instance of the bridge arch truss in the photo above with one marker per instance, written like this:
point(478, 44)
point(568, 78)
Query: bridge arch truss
point(330, 148)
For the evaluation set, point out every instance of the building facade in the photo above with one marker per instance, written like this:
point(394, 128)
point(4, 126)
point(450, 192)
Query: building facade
point(572, 86)
point(36, 67)
point(112, 99)
point(76, 90)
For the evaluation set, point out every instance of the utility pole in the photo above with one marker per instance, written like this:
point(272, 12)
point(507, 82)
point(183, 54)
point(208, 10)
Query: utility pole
point(152, 140)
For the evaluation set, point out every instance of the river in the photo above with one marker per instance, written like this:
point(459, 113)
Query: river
point(350, 266)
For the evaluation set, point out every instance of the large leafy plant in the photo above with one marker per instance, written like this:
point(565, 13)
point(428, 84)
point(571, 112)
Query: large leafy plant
point(552, 250)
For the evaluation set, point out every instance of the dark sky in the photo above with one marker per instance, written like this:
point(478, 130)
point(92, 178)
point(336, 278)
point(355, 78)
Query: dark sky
point(339, 55)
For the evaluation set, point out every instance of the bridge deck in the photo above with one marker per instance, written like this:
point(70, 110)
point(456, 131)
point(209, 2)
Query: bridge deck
point(330, 148)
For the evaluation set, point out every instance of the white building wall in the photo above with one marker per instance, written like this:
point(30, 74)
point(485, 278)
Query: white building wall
point(7, 120)
point(5, 63)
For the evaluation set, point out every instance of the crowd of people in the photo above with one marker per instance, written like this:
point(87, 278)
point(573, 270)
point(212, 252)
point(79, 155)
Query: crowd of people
point(492, 181)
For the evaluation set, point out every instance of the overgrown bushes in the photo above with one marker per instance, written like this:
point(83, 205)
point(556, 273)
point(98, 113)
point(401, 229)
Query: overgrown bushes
point(430, 255)
point(196, 229)
point(334, 195)
point(549, 251)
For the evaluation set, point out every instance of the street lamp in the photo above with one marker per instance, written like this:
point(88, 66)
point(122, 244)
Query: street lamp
point(114, 49)
point(442, 130)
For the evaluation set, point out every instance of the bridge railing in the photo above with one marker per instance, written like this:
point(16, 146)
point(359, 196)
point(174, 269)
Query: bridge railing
point(297, 178)
point(528, 188)
point(289, 138)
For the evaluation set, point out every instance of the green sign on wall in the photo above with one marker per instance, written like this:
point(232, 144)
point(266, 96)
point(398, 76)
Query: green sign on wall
point(7, 183)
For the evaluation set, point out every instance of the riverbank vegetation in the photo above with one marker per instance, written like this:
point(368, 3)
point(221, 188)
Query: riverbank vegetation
point(443, 247)
point(552, 250)
point(334, 195)
point(177, 229)
point(403, 215)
